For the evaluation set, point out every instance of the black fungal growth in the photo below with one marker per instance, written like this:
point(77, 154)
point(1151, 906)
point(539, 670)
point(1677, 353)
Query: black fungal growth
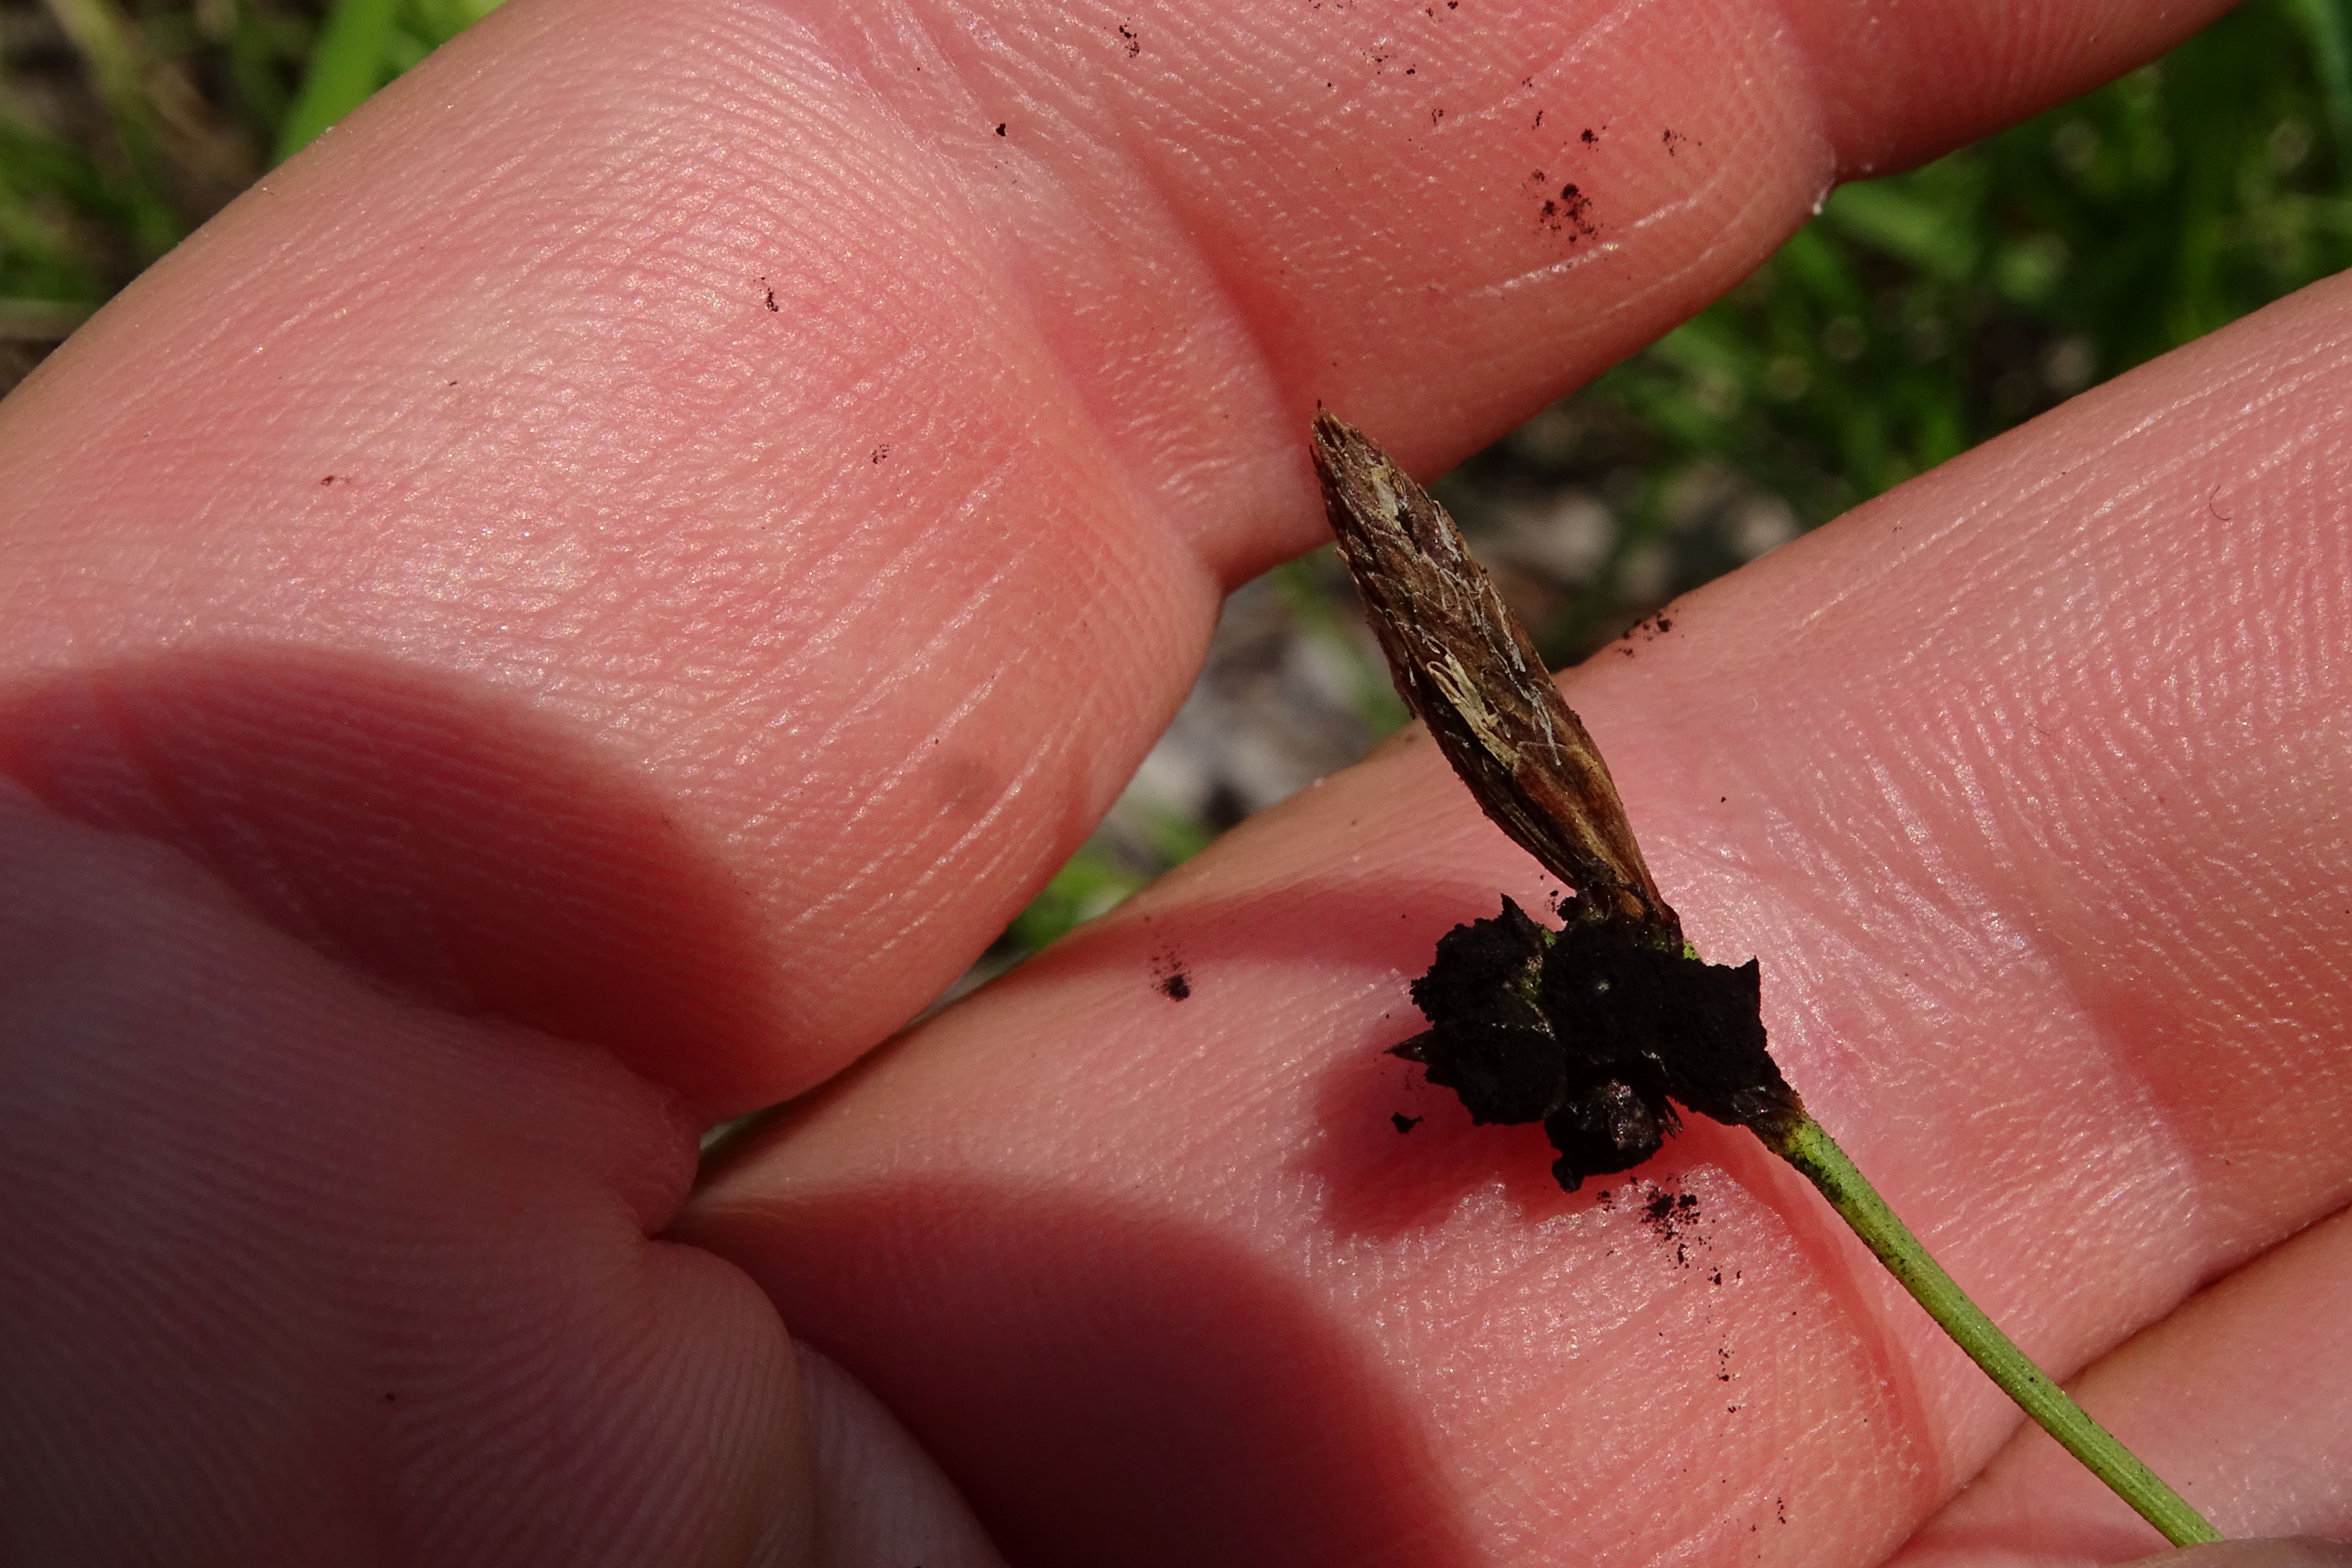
point(1598, 1034)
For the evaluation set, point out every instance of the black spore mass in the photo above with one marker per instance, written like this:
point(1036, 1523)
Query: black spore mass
point(1598, 1033)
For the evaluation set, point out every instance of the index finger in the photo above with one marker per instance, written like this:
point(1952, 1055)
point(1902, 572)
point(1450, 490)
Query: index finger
point(671, 523)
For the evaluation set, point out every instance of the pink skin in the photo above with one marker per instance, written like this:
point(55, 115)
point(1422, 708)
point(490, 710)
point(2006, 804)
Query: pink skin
point(486, 695)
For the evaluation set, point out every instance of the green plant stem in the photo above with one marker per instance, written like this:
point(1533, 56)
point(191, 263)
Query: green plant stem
point(1816, 1154)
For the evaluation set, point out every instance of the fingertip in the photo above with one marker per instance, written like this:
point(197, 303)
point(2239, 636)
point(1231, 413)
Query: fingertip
point(880, 1498)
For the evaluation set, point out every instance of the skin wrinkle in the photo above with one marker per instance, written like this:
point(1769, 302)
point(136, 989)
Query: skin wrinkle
point(969, 611)
point(1804, 69)
point(1573, 54)
point(801, 660)
point(2113, 496)
point(857, 878)
point(1273, 389)
point(911, 560)
point(1113, 433)
point(2078, 974)
point(909, 668)
point(1690, 202)
point(1119, 429)
point(1551, 270)
point(935, 867)
point(876, 590)
point(2018, 903)
point(2172, 1164)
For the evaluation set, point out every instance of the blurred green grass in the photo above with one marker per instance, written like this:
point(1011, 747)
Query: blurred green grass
point(123, 126)
point(1914, 317)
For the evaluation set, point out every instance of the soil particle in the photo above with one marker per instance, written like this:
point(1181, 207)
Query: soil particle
point(1592, 1031)
point(1671, 1218)
point(1571, 212)
point(1648, 630)
point(1666, 1213)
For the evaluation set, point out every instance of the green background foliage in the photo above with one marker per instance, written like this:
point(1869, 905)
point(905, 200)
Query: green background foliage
point(1914, 317)
point(124, 126)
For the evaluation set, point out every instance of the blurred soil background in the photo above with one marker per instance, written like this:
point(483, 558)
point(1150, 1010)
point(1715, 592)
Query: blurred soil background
point(1916, 316)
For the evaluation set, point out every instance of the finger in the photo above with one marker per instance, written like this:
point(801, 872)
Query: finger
point(2019, 781)
point(2242, 1394)
point(298, 1273)
point(713, 393)
point(880, 1498)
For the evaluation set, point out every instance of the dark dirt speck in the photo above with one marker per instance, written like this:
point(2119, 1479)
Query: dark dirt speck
point(1572, 211)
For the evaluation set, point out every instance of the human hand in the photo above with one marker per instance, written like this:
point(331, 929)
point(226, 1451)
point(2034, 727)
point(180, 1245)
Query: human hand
point(577, 607)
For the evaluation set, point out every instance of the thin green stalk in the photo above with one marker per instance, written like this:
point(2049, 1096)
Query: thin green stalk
point(1812, 1152)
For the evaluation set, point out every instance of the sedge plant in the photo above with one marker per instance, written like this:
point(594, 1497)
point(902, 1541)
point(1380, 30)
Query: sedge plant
point(1601, 1029)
